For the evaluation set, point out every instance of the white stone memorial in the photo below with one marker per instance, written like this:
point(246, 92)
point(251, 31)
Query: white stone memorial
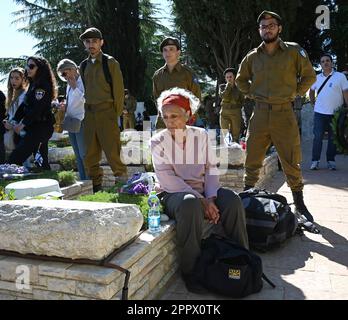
point(32, 188)
point(68, 229)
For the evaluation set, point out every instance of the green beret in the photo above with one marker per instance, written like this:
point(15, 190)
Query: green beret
point(91, 33)
point(170, 42)
point(268, 15)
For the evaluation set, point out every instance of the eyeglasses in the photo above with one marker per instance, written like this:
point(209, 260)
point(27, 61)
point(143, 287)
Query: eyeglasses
point(270, 26)
point(31, 66)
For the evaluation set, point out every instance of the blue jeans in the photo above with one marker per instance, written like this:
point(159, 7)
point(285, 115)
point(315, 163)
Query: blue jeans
point(322, 123)
point(78, 144)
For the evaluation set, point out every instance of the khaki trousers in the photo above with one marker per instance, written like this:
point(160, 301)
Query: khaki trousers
point(128, 121)
point(191, 227)
point(101, 133)
point(274, 124)
point(231, 119)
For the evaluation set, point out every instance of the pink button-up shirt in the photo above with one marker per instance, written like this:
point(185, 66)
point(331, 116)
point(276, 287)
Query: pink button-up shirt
point(189, 167)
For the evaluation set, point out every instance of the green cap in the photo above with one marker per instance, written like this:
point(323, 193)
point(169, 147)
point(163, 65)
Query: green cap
point(269, 15)
point(91, 33)
point(170, 42)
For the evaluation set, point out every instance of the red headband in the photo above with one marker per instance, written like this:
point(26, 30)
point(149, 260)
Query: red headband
point(178, 100)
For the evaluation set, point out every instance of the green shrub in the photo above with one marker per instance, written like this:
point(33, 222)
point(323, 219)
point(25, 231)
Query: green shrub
point(4, 196)
point(65, 142)
point(69, 162)
point(100, 196)
point(66, 178)
point(110, 196)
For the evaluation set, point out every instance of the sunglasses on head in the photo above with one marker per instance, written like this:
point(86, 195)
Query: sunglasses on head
point(31, 66)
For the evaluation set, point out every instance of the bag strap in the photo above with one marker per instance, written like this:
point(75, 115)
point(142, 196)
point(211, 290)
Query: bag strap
point(322, 86)
point(107, 74)
point(268, 281)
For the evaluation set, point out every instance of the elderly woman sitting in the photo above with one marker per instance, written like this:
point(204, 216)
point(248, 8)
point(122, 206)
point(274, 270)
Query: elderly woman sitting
point(185, 166)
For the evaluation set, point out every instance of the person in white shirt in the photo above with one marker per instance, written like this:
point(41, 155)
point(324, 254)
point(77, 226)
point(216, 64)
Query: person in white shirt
point(326, 97)
point(74, 110)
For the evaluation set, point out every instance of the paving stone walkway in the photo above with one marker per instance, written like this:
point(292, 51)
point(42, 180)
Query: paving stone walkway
point(310, 266)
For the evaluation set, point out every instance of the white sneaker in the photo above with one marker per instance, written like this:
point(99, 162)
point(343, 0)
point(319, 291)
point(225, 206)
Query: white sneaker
point(331, 165)
point(314, 165)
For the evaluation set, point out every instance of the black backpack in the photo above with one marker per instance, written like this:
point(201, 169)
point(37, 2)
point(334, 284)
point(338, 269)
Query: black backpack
point(269, 219)
point(228, 269)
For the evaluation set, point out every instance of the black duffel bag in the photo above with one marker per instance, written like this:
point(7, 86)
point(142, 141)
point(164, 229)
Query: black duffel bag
point(269, 219)
point(226, 268)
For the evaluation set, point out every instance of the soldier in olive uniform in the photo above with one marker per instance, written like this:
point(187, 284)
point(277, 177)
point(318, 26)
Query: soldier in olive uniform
point(231, 105)
point(173, 74)
point(273, 75)
point(130, 105)
point(104, 104)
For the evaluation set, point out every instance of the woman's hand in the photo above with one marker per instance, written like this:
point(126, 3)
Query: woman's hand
point(7, 125)
point(211, 211)
point(18, 127)
point(72, 81)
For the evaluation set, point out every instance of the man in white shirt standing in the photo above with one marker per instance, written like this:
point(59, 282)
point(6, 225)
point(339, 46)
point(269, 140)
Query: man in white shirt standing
point(327, 94)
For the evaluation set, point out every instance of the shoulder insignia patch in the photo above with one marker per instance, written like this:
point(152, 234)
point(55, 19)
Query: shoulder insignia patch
point(303, 53)
point(39, 94)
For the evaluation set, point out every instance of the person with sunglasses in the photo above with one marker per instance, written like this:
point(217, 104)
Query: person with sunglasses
point(74, 108)
point(34, 116)
point(273, 75)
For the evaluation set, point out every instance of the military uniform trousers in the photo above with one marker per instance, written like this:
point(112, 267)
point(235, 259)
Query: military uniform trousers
point(128, 121)
point(191, 227)
point(101, 133)
point(231, 118)
point(274, 124)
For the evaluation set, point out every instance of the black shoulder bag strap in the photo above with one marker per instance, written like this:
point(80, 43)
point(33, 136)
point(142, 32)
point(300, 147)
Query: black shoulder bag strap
point(82, 71)
point(107, 74)
point(322, 86)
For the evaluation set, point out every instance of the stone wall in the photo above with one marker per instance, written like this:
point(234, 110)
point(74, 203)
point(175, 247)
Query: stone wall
point(151, 260)
point(233, 178)
point(79, 188)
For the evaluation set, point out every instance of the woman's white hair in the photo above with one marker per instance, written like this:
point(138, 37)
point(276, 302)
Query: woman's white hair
point(194, 101)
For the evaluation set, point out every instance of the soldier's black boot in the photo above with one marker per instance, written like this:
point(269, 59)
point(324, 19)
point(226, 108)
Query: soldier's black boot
point(300, 206)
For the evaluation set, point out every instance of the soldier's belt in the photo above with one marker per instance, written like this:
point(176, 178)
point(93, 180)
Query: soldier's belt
point(99, 107)
point(274, 107)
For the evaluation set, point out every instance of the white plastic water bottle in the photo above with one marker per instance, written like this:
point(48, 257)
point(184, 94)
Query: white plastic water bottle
point(154, 215)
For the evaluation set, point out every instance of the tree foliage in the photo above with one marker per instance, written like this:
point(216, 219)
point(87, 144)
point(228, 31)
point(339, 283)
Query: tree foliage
point(57, 24)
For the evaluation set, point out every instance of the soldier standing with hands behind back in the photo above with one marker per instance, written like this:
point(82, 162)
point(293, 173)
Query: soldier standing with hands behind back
point(273, 75)
point(231, 105)
point(130, 105)
point(104, 93)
